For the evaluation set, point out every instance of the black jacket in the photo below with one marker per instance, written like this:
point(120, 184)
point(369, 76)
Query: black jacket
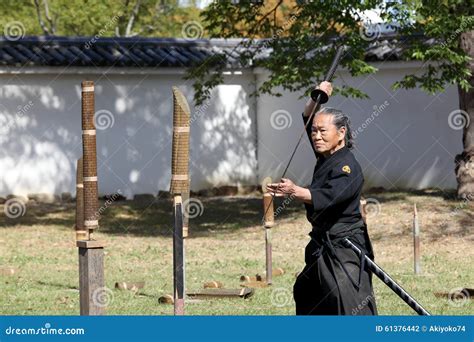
point(335, 189)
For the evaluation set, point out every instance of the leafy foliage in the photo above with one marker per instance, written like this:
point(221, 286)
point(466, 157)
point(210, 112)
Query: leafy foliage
point(299, 39)
point(147, 18)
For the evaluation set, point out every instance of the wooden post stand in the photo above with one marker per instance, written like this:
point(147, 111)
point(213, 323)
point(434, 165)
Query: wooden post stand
point(178, 257)
point(269, 222)
point(179, 188)
point(93, 294)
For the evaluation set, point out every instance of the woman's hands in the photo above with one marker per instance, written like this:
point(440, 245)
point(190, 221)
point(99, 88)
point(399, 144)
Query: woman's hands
point(286, 187)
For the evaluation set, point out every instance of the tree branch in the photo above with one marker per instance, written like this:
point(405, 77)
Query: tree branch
point(128, 31)
point(48, 17)
point(40, 18)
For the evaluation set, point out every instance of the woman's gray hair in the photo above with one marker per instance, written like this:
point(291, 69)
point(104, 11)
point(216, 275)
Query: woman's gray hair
point(339, 119)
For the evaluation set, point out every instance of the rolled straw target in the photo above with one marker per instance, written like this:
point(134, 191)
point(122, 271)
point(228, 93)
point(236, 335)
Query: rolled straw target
point(180, 156)
point(91, 205)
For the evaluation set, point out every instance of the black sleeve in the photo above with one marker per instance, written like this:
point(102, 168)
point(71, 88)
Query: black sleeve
point(339, 187)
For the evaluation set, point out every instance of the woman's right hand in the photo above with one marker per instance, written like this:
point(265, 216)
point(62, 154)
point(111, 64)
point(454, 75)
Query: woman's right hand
point(326, 87)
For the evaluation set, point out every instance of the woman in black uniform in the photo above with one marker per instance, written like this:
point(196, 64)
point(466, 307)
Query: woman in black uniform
point(334, 280)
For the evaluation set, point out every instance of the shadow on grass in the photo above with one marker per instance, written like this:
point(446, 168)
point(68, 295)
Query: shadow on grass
point(207, 215)
point(154, 218)
point(391, 195)
point(221, 215)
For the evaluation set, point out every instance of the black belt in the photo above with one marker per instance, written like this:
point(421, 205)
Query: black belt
point(328, 240)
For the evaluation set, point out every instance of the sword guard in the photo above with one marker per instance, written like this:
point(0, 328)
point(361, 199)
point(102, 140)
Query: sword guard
point(319, 96)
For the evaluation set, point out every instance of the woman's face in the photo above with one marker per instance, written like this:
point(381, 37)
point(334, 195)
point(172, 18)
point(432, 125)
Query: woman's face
point(324, 134)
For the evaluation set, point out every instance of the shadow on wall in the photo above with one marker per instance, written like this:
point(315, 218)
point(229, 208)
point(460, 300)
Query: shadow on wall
point(223, 141)
point(41, 140)
point(35, 149)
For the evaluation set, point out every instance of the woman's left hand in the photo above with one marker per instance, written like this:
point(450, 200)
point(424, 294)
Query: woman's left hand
point(285, 187)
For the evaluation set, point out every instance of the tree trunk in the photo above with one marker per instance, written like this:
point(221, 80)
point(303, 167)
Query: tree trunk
point(464, 168)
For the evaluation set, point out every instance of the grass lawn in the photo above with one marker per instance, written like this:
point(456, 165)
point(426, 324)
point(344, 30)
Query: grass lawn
point(226, 241)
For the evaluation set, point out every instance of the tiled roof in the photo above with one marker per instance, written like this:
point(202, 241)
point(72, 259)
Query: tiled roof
point(135, 52)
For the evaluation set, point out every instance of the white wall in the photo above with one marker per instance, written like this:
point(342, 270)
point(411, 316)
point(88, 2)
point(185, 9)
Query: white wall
point(409, 142)
point(41, 140)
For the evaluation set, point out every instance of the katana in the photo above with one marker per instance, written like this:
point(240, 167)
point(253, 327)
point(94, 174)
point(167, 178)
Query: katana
point(392, 284)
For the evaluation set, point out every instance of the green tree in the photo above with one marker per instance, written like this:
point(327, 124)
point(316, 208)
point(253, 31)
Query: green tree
point(124, 18)
point(438, 33)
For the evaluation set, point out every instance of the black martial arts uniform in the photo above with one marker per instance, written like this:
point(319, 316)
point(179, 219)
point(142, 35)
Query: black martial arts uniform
point(333, 281)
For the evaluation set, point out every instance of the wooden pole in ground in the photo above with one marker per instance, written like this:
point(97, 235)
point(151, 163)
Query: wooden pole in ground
point(416, 241)
point(91, 253)
point(179, 186)
point(269, 222)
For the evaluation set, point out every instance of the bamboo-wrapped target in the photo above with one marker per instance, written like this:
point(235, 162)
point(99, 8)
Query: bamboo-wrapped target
point(91, 220)
point(180, 151)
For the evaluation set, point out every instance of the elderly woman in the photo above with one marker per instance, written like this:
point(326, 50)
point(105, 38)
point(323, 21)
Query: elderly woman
point(334, 280)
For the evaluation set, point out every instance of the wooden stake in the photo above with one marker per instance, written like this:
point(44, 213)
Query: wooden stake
point(269, 223)
point(416, 241)
point(178, 257)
